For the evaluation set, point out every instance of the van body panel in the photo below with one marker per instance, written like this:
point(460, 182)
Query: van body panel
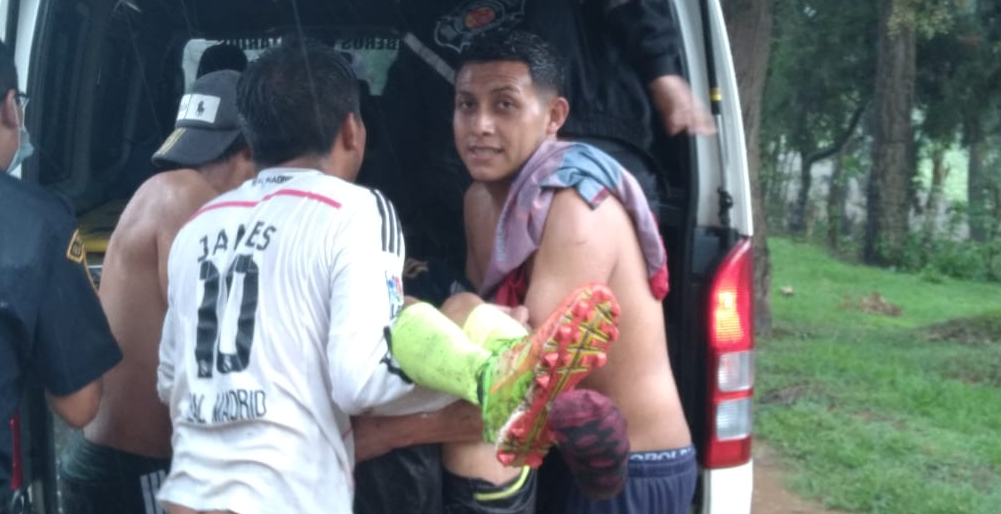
point(730, 138)
point(728, 490)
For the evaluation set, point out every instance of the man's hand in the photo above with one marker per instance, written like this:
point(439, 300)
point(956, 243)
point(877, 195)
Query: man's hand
point(678, 107)
point(378, 435)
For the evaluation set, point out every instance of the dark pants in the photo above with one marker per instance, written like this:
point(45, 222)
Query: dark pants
point(96, 479)
point(412, 480)
point(661, 482)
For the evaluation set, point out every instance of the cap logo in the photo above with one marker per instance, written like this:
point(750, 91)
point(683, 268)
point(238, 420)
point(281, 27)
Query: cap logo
point(196, 107)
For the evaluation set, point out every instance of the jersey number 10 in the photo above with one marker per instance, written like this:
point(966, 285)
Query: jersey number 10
point(243, 272)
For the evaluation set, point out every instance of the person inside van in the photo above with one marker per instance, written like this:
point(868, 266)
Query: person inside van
point(623, 80)
point(286, 316)
point(124, 453)
point(52, 329)
point(221, 56)
point(544, 214)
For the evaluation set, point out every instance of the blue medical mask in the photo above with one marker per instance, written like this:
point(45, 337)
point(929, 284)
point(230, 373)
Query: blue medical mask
point(24, 148)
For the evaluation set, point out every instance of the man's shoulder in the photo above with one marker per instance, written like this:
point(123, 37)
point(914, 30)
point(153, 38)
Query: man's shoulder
point(342, 193)
point(173, 183)
point(168, 195)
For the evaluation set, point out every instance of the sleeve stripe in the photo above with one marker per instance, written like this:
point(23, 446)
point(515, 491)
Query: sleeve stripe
point(392, 237)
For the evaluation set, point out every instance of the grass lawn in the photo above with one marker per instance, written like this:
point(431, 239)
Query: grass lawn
point(882, 390)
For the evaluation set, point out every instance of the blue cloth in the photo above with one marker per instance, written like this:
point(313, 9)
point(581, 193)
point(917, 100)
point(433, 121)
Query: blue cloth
point(595, 175)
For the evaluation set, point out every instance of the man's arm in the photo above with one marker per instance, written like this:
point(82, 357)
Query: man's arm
point(579, 245)
point(649, 37)
point(366, 295)
point(460, 422)
point(77, 408)
point(74, 343)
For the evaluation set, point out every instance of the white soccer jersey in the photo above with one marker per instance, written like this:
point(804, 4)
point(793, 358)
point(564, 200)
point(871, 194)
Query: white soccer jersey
point(281, 294)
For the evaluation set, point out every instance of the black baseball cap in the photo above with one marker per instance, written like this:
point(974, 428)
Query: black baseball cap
point(206, 122)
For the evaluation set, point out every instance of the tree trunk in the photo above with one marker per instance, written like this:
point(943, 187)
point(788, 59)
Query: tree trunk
point(938, 173)
point(976, 192)
point(797, 222)
point(836, 193)
point(893, 156)
point(749, 24)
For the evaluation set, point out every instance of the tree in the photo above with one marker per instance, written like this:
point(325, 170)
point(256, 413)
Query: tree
point(889, 196)
point(820, 83)
point(956, 90)
point(749, 25)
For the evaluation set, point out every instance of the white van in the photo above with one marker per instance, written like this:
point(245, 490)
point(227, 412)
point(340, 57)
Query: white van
point(105, 77)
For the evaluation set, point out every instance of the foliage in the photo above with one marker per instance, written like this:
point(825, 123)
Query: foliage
point(821, 70)
point(877, 413)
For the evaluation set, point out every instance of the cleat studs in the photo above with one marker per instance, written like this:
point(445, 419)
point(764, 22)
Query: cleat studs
point(601, 295)
point(533, 460)
point(518, 430)
point(581, 309)
point(599, 359)
point(550, 359)
point(542, 381)
point(564, 334)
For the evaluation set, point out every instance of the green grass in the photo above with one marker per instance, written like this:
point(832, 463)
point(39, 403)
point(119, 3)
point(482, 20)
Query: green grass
point(878, 413)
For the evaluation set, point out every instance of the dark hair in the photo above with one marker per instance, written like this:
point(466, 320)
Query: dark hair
point(294, 99)
point(234, 148)
point(8, 71)
point(543, 61)
point(221, 57)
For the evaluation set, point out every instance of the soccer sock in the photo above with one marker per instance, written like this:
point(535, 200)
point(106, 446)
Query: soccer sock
point(592, 437)
point(489, 327)
point(435, 353)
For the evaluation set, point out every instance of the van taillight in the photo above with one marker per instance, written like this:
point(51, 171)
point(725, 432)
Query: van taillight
point(731, 359)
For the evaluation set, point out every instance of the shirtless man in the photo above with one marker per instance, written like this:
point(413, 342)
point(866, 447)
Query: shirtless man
point(543, 215)
point(125, 452)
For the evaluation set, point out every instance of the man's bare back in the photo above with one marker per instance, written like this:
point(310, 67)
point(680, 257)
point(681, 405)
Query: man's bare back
point(133, 293)
point(580, 245)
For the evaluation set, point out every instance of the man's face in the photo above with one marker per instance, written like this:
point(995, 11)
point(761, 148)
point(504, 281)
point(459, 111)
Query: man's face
point(500, 118)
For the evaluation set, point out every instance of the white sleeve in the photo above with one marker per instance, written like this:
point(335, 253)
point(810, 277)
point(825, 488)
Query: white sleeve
point(165, 369)
point(366, 296)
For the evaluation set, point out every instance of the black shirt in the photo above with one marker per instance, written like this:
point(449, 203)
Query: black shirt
point(52, 327)
point(611, 49)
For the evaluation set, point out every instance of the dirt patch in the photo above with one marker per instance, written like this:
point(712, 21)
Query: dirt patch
point(787, 397)
point(873, 303)
point(771, 496)
point(978, 330)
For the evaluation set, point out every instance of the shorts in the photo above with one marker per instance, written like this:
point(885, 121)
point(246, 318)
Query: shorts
point(96, 479)
point(474, 496)
point(412, 480)
point(659, 481)
point(403, 480)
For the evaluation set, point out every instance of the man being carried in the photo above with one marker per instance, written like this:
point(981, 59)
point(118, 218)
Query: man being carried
point(285, 303)
point(543, 215)
point(125, 452)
